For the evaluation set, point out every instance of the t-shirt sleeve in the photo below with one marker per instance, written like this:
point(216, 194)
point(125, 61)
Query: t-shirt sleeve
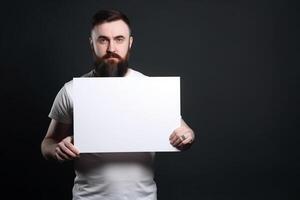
point(62, 107)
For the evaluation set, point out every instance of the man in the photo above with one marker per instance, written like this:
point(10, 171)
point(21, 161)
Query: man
point(105, 175)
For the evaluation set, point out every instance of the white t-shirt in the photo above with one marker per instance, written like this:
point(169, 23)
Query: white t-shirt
point(109, 176)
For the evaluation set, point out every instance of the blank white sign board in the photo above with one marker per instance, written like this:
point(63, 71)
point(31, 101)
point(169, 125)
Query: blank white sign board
point(125, 114)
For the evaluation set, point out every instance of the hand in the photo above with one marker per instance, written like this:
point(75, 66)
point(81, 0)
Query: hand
point(65, 150)
point(182, 138)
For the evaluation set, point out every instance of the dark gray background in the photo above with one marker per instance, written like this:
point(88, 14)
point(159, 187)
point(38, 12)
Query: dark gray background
point(239, 73)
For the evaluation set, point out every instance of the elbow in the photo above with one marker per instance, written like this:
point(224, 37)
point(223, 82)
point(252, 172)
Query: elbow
point(43, 150)
point(46, 149)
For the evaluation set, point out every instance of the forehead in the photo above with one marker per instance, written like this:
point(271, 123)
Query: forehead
point(113, 28)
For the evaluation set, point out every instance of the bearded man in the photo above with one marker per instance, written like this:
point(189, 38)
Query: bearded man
point(109, 176)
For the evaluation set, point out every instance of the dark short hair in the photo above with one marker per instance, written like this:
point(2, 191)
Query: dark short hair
point(103, 16)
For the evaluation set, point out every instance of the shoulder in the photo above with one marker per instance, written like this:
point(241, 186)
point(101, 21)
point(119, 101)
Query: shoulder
point(134, 73)
point(68, 86)
point(67, 90)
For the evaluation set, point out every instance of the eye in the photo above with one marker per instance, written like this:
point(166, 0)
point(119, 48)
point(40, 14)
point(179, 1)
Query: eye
point(120, 39)
point(102, 40)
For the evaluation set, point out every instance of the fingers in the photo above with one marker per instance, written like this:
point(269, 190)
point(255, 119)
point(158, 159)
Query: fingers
point(176, 141)
point(176, 135)
point(173, 138)
point(181, 138)
point(72, 148)
point(60, 155)
point(185, 139)
point(65, 150)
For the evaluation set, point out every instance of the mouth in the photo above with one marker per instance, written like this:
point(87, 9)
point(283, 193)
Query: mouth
point(112, 58)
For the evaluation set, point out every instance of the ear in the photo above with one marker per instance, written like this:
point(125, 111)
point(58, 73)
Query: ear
point(130, 41)
point(91, 43)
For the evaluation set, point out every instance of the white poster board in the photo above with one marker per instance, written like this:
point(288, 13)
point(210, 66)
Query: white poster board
point(125, 114)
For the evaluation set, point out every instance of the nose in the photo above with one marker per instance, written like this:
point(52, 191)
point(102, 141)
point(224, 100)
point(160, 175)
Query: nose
point(111, 47)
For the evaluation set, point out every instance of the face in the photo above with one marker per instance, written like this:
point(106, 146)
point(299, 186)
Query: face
point(111, 42)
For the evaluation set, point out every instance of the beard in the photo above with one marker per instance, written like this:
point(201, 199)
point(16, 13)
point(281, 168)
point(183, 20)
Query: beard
point(108, 67)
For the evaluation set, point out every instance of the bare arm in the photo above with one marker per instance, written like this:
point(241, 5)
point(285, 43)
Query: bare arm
point(57, 143)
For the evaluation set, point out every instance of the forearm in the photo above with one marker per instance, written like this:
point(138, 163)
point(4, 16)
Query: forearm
point(48, 148)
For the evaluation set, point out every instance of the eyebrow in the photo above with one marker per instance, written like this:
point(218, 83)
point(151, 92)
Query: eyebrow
point(107, 38)
point(119, 36)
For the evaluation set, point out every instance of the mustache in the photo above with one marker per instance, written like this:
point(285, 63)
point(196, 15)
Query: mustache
point(112, 55)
